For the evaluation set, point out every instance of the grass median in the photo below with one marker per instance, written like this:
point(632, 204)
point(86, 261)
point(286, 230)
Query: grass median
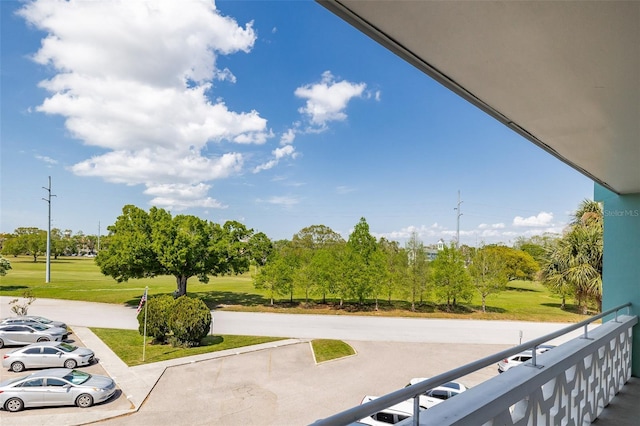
point(127, 344)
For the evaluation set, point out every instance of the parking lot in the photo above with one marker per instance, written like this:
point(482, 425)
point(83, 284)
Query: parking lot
point(117, 402)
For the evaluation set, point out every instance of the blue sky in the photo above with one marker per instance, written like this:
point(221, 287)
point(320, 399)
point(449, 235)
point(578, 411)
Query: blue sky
point(277, 114)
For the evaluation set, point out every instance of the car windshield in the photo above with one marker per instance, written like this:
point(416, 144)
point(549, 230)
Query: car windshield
point(77, 377)
point(42, 320)
point(38, 326)
point(67, 347)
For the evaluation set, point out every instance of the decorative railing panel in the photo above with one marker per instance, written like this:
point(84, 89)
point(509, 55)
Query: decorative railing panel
point(571, 385)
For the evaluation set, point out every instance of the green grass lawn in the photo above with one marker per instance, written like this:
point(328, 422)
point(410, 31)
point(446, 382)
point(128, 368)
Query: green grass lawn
point(80, 279)
point(327, 350)
point(127, 344)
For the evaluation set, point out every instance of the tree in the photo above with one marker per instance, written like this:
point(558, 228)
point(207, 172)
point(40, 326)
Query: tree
point(360, 254)
point(417, 269)
point(518, 264)
point(450, 277)
point(554, 267)
point(260, 249)
point(277, 275)
point(325, 269)
point(316, 236)
point(396, 267)
point(314, 248)
point(30, 240)
point(5, 266)
point(13, 246)
point(488, 271)
point(574, 262)
point(536, 245)
point(145, 245)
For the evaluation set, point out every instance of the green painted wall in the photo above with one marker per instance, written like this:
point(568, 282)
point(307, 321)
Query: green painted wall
point(621, 263)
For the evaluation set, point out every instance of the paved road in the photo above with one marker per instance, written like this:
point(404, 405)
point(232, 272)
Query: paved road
point(343, 327)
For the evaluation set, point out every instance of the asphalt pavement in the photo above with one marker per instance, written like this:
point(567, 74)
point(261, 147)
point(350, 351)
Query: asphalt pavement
point(252, 385)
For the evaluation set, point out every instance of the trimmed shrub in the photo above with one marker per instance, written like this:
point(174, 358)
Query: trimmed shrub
point(158, 311)
point(189, 321)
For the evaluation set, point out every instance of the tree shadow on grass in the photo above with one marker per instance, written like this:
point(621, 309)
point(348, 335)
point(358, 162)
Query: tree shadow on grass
point(568, 307)
point(12, 287)
point(214, 299)
point(520, 289)
point(488, 309)
point(211, 340)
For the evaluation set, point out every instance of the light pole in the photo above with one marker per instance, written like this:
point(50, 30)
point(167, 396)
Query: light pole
point(48, 200)
point(458, 221)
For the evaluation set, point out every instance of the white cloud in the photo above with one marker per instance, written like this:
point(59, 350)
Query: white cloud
point(342, 190)
point(46, 159)
point(491, 226)
point(281, 201)
point(288, 137)
point(157, 166)
point(327, 100)
point(278, 154)
point(132, 78)
point(542, 219)
point(180, 196)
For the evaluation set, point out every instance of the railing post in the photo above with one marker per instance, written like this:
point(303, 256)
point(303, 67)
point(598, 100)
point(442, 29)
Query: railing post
point(416, 410)
point(533, 356)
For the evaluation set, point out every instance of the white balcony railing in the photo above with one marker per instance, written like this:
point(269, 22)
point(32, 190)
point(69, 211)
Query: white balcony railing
point(568, 385)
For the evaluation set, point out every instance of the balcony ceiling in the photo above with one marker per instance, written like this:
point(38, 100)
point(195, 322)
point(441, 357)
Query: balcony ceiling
point(564, 74)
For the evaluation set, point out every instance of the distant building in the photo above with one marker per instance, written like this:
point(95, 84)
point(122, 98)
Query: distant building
point(432, 251)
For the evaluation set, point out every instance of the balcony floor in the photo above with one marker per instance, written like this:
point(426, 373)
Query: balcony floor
point(624, 409)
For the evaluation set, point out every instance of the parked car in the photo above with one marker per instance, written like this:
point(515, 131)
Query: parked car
point(438, 394)
point(520, 358)
point(45, 321)
point(24, 334)
point(29, 320)
point(55, 387)
point(391, 415)
point(47, 354)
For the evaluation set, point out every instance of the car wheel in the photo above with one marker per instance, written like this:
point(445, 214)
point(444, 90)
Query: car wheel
point(43, 339)
point(1, 343)
point(13, 405)
point(70, 363)
point(17, 367)
point(85, 400)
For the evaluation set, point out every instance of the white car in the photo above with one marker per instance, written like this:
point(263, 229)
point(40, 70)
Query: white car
point(47, 354)
point(24, 334)
point(438, 394)
point(391, 415)
point(520, 358)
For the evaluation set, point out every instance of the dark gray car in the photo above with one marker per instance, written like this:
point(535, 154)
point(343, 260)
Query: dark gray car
point(23, 334)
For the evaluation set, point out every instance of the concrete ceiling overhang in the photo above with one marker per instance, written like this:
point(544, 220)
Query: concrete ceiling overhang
point(563, 74)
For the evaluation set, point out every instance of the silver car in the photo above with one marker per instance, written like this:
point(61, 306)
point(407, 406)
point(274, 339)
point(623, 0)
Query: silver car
point(24, 334)
point(55, 387)
point(33, 318)
point(47, 354)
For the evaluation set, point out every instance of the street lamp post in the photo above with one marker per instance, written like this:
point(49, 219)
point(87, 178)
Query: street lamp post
point(48, 200)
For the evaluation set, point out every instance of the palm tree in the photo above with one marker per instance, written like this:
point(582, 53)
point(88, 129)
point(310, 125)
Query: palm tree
point(575, 261)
